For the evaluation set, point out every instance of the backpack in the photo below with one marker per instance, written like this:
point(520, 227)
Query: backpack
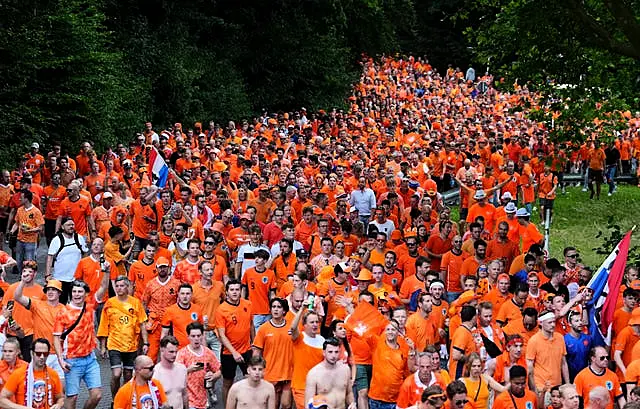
point(60, 237)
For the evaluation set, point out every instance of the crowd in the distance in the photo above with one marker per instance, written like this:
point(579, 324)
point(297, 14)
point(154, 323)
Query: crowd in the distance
point(314, 253)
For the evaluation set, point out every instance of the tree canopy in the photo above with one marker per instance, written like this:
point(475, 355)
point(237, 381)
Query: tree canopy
point(78, 69)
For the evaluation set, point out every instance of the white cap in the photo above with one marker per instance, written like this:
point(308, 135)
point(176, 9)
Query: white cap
point(35, 145)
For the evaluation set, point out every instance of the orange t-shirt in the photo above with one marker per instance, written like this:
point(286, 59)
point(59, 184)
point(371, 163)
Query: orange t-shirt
point(437, 245)
point(90, 271)
point(277, 350)
point(125, 394)
point(48, 384)
point(20, 314)
point(547, 355)
point(31, 219)
point(78, 211)
point(208, 299)
point(187, 272)
point(5, 371)
point(451, 265)
point(139, 225)
point(44, 316)
point(82, 340)
point(632, 376)
point(177, 318)
point(140, 274)
point(389, 369)
point(422, 331)
point(586, 380)
point(307, 353)
point(259, 285)
point(506, 401)
point(462, 341)
point(157, 297)
point(236, 320)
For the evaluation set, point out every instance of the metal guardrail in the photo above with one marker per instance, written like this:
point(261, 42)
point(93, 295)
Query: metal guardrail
point(452, 197)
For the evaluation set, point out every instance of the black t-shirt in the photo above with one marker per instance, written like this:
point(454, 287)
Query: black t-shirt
point(562, 290)
point(613, 156)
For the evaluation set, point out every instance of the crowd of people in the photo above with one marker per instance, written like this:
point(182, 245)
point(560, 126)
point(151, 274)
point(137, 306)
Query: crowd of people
point(314, 254)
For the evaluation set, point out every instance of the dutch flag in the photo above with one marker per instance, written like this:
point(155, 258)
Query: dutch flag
point(159, 168)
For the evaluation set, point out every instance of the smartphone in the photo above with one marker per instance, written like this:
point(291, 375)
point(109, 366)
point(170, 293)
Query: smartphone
point(102, 260)
point(200, 364)
point(10, 304)
point(131, 236)
point(11, 321)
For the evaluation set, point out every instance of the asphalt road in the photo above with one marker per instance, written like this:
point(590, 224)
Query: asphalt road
point(105, 370)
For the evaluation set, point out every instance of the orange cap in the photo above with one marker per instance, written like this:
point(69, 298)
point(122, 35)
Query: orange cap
point(364, 275)
point(635, 317)
point(162, 261)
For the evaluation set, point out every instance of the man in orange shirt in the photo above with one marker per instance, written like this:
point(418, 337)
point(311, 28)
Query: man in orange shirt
point(158, 295)
point(517, 396)
point(143, 271)
point(547, 185)
point(528, 231)
point(439, 244)
point(29, 224)
point(421, 327)
point(91, 268)
point(187, 270)
point(482, 208)
point(546, 352)
point(233, 320)
point(177, 316)
point(259, 286)
point(10, 360)
point(78, 208)
point(597, 374)
point(53, 196)
point(47, 391)
point(121, 326)
point(77, 359)
point(208, 292)
point(596, 161)
point(501, 248)
point(462, 341)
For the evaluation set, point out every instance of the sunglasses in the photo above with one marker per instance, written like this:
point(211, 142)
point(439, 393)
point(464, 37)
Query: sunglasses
point(150, 368)
point(603, 358)
point(41, 354)
point(573, 255)
point(209, 243)
point(461, 402)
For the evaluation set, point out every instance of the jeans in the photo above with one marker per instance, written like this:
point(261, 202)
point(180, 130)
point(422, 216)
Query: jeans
point(610, 175)
point(378, 404)
point(25, 251)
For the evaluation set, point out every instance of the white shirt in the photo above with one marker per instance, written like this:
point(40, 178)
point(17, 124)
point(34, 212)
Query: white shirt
point(363, 200)
point(65, 263)
point(246, 255)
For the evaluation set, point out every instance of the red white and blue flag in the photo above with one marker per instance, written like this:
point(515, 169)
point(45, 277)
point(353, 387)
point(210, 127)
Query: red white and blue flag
point(605, 284)
point(159, 168)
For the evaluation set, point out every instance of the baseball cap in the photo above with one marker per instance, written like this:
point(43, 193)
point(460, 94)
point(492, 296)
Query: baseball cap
point(107, 195)
point(35, 145)
point(396, 235)
point(217, 227)
point(162, 261)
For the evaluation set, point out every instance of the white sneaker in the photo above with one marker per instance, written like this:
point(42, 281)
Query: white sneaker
point(609, 194)
point(584, 189)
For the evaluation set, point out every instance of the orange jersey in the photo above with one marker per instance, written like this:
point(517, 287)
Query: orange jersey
point(125, 394)
point(307, 353)
point(506, 400)
point(140, 274)
point(120, 323)
point(78, 211)
point(82, 340)
point(586, 380)
point(177, 318)
point(158, 296)
point(187, 272)
point(259, 285)
point(208, 299)
point(236, 321)
point(20, 314)
point(277, 349)
point(90, 271)
point(389, 370)
point(46, 383)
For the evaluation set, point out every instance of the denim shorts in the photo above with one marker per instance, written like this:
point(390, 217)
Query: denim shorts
point(85, 368)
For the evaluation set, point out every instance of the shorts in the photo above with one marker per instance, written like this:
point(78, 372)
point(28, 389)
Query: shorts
point(119, 359)
point(464, 212)
point(139, 244)
point(363, 377)
point(85, 369)
point(595, 175)
point(546, 203)
point(229, 365)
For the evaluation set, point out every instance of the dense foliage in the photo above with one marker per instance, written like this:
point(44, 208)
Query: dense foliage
point(75, 69)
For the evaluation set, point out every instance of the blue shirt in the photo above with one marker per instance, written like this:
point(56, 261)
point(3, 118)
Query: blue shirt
point(577, 353)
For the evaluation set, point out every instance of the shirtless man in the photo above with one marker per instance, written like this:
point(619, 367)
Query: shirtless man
point(252, 392)
point(331, 379)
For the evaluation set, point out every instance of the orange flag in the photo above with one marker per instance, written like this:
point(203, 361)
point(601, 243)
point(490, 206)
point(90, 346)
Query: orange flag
point(366, 320)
